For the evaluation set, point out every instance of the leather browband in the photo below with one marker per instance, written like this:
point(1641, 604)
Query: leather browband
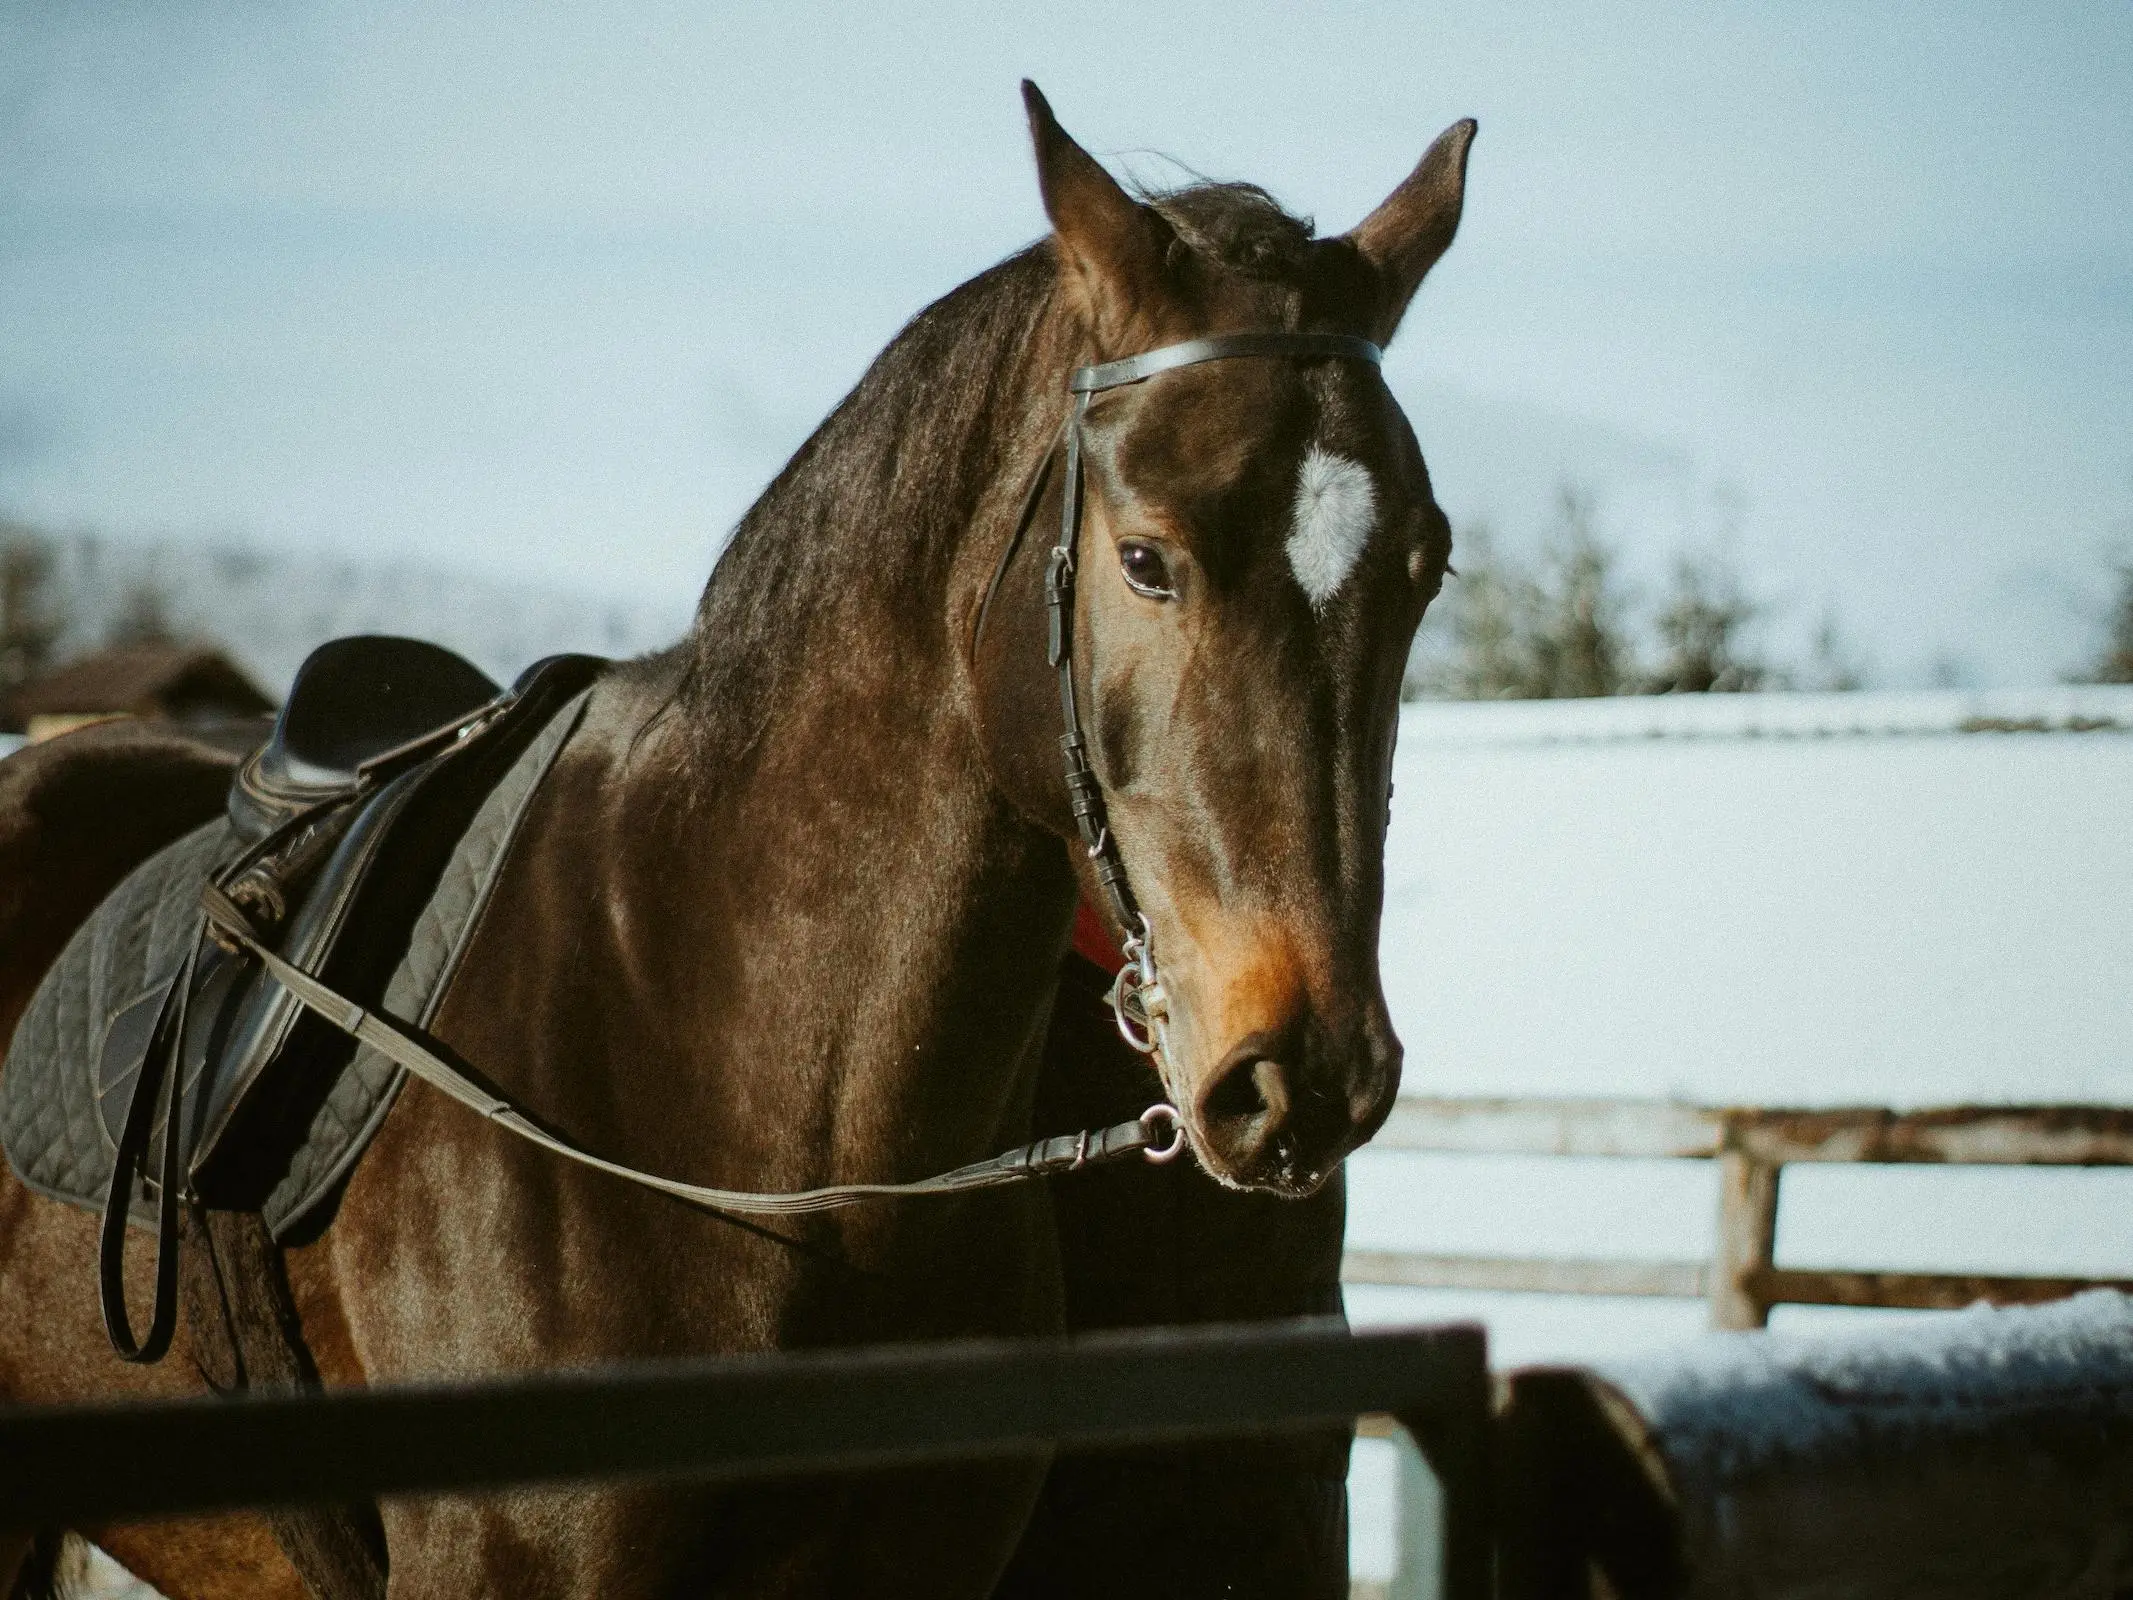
point(1293, 346)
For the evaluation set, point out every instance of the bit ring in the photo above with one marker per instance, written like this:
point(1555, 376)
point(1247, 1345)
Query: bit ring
point(1161, 1112)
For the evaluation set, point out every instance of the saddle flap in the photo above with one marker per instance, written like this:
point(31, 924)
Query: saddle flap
point(124, 1053)
point(261, 1022)
point(274, 1115)
point(217, 983)
point(352, 924)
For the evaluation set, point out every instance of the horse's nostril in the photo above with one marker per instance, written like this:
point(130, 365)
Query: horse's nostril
point(1240, 1094)
point(1249, 1098)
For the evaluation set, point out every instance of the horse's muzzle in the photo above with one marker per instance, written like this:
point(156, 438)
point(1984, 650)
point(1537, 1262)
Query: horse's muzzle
point(1281, 1111)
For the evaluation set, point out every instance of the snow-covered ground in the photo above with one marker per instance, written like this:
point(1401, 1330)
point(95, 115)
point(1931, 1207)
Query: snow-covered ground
point(1775, 899)
point(1756, 899)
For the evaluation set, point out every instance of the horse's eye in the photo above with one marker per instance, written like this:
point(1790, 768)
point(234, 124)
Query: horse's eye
point(1146, 571)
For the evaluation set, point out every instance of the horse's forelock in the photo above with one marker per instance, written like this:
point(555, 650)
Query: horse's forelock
point(1236, 225)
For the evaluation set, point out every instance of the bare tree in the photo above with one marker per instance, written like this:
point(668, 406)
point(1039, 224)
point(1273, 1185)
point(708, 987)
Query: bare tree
point(1703, 627)
point(1555, 629)
point(1833, 664)
point(2114, 659)
point(1565, 625)
point(143, 616)
point(1579, 641)
point(1473, 647)
point(32, 618)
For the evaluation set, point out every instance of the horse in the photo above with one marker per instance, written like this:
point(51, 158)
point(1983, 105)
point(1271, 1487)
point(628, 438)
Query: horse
point(789, 908)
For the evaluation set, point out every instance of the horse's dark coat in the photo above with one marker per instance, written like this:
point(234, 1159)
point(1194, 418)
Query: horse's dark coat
point(1156, 1246)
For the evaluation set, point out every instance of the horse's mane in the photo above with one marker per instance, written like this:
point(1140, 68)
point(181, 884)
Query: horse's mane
point(877, 498)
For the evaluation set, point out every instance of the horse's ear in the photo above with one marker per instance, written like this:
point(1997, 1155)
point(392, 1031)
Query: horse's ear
point(1404, 237)
point(1111, 247)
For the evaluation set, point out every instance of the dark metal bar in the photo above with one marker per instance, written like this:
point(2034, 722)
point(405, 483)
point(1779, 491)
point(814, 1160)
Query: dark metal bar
point(1454, 1440)
point(742, 1417)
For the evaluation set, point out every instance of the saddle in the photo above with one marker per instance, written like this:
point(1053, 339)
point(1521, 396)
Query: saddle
point(158, 1064)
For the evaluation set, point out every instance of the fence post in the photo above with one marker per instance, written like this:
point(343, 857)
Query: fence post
point(1747, 1239)
point(1418, 1573)
point(1453, 1439)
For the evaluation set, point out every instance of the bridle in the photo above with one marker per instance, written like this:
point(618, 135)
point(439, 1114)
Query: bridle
point(1137, 998)
point(1138, 1001)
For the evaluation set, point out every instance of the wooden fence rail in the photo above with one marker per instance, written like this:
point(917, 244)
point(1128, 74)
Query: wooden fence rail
point(1753, 1146)
point(768, 1416)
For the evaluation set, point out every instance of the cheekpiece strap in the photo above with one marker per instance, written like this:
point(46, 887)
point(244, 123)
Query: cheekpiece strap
point(1137, 994)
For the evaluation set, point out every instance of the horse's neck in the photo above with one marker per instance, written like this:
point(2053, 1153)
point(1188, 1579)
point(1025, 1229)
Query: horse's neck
point(858, 912)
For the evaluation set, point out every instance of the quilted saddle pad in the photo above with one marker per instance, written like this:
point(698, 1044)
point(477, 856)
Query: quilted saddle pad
point(59, 1135)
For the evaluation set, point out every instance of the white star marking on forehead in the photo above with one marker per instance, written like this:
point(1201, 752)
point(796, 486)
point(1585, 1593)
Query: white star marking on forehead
point(1336, 507)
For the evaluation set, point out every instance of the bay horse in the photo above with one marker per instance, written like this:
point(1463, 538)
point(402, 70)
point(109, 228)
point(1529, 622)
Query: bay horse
point(790, 907)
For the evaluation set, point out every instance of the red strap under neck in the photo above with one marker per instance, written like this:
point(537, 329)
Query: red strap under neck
point(1093, 941)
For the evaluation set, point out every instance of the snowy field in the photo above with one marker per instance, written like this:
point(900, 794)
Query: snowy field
point(1769, 899)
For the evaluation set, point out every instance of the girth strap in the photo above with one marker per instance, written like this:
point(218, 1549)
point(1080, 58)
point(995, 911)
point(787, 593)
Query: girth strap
point(1155, 1134)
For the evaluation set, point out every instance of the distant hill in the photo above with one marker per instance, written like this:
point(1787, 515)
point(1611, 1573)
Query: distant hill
point(269, 610)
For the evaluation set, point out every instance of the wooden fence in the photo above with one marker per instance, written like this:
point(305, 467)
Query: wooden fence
point(752, 1417)
point(1752, 1146)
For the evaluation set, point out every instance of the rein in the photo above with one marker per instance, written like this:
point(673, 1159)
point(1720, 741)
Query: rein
point(1157, 1134)
point(1137, 997)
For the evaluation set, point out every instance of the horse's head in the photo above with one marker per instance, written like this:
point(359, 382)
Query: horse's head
point(1257, 545)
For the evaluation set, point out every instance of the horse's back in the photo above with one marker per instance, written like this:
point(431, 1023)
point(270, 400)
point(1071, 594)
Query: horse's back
point(78, 813)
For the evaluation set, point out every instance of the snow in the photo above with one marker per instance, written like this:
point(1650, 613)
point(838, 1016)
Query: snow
point(1730, 1404)
point(2066, 708)
point(1762, 899)
point(1920, 918)
point(1774, 899)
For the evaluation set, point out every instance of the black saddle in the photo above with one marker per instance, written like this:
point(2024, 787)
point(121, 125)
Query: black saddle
point(357, 704)
point(340, 831)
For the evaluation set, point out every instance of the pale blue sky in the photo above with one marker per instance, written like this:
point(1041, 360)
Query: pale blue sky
point(553, 291)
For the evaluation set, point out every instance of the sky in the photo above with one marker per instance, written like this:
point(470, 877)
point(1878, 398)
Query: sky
point(551, 292)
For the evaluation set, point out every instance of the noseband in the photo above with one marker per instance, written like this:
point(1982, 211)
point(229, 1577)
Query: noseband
point(1137, 997)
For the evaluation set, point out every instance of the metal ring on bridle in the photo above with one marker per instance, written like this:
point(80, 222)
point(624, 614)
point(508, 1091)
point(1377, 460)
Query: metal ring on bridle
point(1161, 1112)
point(1129, 1010)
